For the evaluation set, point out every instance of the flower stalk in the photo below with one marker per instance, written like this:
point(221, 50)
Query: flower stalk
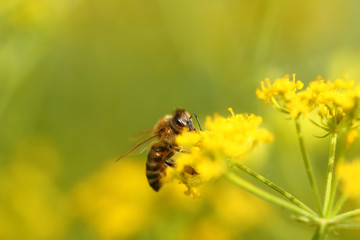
point(345, 216)
point(268, 197)
point(273, 186)
point(322, 231)
point(347, 226)
point(335, 209)
point(330, 174)
point(308, 167)
point(339, 204)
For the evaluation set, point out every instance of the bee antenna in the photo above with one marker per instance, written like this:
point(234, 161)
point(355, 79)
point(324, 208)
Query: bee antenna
point(197, 119)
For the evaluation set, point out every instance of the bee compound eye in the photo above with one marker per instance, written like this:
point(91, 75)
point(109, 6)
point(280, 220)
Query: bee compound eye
point(190, 125)
point(179, 122)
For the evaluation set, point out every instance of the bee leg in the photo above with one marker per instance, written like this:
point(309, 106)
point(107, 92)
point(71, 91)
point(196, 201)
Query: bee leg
point(178, 149)
point(168, 161)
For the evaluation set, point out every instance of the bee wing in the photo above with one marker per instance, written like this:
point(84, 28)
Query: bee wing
point(137, 145)
point(142, 133)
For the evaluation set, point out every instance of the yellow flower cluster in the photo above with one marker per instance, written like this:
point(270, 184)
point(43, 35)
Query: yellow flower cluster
point(349, 175)
point(337, 102)
point(283, 89)
point(231, 137)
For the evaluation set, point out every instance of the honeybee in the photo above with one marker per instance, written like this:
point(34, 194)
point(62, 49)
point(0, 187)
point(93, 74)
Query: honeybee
point(161, 152)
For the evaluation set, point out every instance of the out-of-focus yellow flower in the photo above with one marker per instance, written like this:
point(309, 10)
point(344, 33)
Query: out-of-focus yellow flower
point(230, 213)
point(32, 206)
point(337, 102)
point(34, 12)
point(234, 206)
point(349, 175)
point(351, 137)
point(231, 137)
point(116, 201)
point(210, 228)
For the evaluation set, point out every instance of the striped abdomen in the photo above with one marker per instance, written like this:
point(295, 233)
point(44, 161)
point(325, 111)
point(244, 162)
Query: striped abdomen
point(156, 166)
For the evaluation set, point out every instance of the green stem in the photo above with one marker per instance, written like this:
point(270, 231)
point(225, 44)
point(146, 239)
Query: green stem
point(308, 168)
point(339, 205)
point(273, 186)
point(330, 171)
point(316, 234)
point(322, 231)
point(346, 215)
point(334, 190)
point(267, 196)
point(347, 226)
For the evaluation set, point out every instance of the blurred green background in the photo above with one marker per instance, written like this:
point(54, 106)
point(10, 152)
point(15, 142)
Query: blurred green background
point(78, 78)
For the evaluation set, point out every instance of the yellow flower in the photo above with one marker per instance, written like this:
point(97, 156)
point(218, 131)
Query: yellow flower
point(231, 137)
point(350, 177)
point(300, 103)
point(337, 102)
point(281, 88)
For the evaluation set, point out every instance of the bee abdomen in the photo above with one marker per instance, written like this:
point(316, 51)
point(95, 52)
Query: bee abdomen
point(155, 184)
point(154, 178)
point(154, 174)
point(153, 166)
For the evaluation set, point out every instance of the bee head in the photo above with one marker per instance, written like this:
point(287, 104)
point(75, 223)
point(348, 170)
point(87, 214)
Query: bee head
point(182, 119)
